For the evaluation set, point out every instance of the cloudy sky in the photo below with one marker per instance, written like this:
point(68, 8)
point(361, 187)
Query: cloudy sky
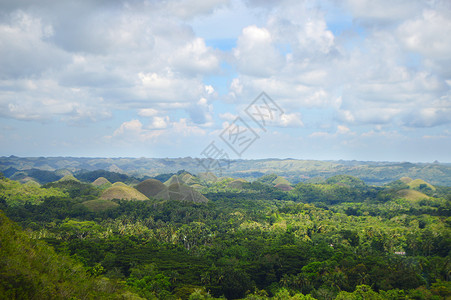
point(355, 79)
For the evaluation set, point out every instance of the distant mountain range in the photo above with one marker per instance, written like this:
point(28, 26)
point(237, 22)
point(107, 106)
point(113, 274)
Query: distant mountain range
point(47, 169)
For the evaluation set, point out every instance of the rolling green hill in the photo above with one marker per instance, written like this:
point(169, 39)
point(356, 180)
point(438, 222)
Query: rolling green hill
point(294, 170)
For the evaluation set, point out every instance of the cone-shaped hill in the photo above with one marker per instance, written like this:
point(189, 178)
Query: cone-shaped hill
point(122, 192)
point(68, 178)
point(185, 193)
point(281, 180)
point(208, 177)
point(406, 180)
point(174, 179)
point(411, 195)
point(283, 187)
point(119, 184)
point(237, 184)
point(151, 187)
point(419, 183)
point(32, 183)
point(101, 181)
point(189, 179)
point(346, 180)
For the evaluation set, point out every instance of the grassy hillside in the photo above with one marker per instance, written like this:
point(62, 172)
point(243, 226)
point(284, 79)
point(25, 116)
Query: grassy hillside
point(68, 178)
point(122, 192)
point(151, 187)
point(185, 193)
point(102, 183)
point(420, 183)
point(412, 195)
point(294, 170)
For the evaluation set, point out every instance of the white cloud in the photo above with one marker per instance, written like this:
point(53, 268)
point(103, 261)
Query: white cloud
point(131, 56)
point(428, 35)
point(130, 126)
point(256, 54)
point(383, 11)
point(341, 129)
point(190, 8)
point(195, 58)
point(147, 112)
point(160, 130)
point(228, 116)
point(160, 122)
point(291, 120)
point(344, 65)
point(23, 49)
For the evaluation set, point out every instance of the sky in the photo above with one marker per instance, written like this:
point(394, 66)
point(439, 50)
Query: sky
point(351, 79)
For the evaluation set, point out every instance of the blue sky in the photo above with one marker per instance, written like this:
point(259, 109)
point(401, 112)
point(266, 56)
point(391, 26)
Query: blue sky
point(356, 79)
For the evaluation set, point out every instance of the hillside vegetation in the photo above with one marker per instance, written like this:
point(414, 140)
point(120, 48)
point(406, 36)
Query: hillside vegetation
point(133, 170)
point(227, 238)
point(30, 269)
point(122, 192)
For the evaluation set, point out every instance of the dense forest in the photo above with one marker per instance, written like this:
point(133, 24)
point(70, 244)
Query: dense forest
point(185, 236)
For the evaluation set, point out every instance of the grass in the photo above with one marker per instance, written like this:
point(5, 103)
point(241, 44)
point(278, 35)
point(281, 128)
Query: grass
point(283, 187)
point(101, 181)
point(151, 187)
point(185, 193)
point(412, 195)
point(417, 182)
point(406, 180)
point(281, 180)
point(236, 184)
point(172, 180)
point(122, 192)
point(69, 177)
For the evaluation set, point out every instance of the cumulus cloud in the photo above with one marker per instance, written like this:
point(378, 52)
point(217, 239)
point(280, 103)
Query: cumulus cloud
point(256, 54)
point(147, 112)
point(23, 49)
point(376, 12)
point(131, 55)
point(160, 129)
point(195, 58)
point(348, 67)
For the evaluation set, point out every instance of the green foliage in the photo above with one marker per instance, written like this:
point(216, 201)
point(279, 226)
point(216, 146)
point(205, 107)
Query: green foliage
point(147, 282)
point(336, 239)
point(346, 180)
point(14, 193)
point(90, 176)
point(267, 179)
point(99, 205)
point(30, 269)
point(74, 188)
point(332, 193)
point(361, 292)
